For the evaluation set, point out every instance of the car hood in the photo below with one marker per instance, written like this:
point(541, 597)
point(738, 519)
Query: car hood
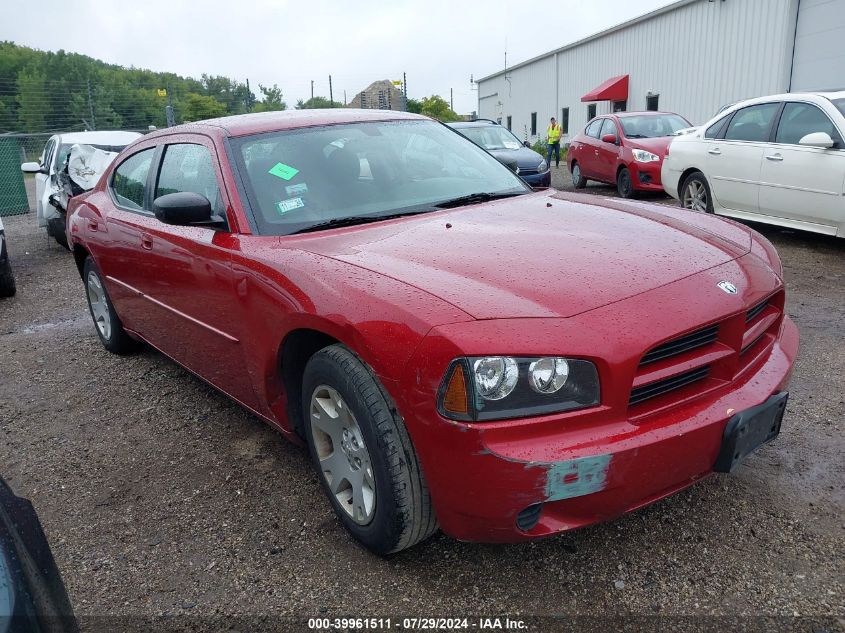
point(654, 145)
point(523, 157)
point(538, 255)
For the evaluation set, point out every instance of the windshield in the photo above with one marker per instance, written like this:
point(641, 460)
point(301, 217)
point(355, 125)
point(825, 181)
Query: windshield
point(309, 177)
point(491, 137)
point(652, 126)
point(840, 105)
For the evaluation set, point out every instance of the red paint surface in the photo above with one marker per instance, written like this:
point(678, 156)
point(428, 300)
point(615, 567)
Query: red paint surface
point(586, 278)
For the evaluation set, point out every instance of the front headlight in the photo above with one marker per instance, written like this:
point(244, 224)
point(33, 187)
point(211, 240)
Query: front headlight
point(481, 388)
point(642, 156)
point(543, 166)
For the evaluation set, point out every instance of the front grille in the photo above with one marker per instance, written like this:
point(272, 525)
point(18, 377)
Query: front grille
point(528, 172)
point(654, 389)
point(755, 311)
point(683, 344)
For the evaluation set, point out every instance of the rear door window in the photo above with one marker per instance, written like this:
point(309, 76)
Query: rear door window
point(594, 128)
point(753, 123)
point(129, 183)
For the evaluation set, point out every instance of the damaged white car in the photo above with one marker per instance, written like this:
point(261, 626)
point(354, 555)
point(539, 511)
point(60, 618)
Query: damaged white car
point(78, 158)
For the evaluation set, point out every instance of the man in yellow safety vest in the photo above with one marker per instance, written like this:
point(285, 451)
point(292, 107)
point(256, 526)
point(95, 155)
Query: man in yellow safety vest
point(553, 134)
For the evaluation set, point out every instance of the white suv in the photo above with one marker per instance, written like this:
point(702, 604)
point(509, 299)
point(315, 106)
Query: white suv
point(53, 160)
point(778, 160)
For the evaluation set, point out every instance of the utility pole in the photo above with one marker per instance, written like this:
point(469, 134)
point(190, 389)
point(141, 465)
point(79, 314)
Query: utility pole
point(451, 100)
point(344, 97)
point(91, 107)
point(312, 88)
point(405, 89)
point(168, 111)
point(331, 98)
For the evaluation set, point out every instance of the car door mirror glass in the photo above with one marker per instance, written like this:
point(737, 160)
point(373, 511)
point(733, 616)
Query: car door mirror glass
point(817, 139)
point(183, 208)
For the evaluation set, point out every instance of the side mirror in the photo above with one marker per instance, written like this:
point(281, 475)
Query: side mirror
point(183, 208)
point(817, 139)
point(32, 168)
point(609, 138)
point(526, 144)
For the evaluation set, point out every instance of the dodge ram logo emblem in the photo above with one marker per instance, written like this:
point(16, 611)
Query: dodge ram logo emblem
point(727, 287)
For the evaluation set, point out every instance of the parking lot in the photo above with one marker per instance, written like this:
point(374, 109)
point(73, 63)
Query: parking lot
point(161, 497)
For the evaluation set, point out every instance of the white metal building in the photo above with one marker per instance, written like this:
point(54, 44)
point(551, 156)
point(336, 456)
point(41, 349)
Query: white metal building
point(690, 57)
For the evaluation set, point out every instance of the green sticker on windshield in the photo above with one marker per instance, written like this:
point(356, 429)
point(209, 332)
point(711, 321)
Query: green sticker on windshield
point(285, 172)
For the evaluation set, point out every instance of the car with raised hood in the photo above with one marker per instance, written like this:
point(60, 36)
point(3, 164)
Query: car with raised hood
point(454, 348)
point(776, 160)
point(625, 149)
point(508, 150)
point(50, 199)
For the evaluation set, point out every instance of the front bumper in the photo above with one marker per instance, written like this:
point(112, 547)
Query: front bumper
point(646, 176)
point(543, 179)
point(494, 475)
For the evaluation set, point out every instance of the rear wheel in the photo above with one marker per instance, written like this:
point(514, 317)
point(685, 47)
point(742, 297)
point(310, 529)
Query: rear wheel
point(56, 230)
point(578, 180)
point(363, 455)
point(109, 328)
point(624, 184)
point(695, 193)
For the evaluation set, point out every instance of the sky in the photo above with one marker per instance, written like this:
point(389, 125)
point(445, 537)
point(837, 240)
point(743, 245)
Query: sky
point(438, 44)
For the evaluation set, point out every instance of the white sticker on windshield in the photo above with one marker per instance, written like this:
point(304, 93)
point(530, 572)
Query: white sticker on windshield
point(289, 205)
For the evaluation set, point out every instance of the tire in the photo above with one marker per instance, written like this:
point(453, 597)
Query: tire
point(106, 322)
point(7, 280)
point(694, 193)
point(625, 184)
point(356, 437)
point(578, 180)
point(56, 230)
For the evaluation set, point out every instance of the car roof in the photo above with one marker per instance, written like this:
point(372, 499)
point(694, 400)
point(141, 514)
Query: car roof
point(99, 137)
point(622, 115)
point(255, 123)
point(476, 123)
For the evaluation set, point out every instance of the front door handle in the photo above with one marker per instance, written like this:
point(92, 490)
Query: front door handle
point(715, 151)
point(776, 157)
point(147, 241)
point(92, 225)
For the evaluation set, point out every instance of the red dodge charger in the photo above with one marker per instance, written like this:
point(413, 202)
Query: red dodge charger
point(625, 149)
point(455, 349)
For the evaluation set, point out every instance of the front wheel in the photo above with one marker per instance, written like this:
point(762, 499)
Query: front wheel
point(578, 180)
point(363, 454)
point(109, 328)
point(624, 184)
point(695, 193)
point(7, 279)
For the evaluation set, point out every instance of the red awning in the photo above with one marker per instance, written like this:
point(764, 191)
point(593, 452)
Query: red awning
point(614, 89)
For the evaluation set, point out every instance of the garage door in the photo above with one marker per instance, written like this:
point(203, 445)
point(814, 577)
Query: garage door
point(819, 57)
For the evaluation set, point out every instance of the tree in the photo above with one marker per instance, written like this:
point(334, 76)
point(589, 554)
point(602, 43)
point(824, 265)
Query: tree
point(415, 106)
point(34, 109)
point(436, 107)
point(272, 99)
point(198, 107)
point(317, 102)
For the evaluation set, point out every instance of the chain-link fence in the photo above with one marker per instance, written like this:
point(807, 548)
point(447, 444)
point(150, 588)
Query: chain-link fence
point(14, 150)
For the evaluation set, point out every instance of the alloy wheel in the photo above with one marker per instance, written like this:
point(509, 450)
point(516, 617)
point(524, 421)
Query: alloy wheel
point(576, 174)
point(344, 460)
point(695, 196)
point(99, 305)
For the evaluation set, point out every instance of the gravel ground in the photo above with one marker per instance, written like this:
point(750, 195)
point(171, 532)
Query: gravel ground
point(161, 497)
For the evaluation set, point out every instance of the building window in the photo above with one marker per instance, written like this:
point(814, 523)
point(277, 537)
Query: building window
point(564, 121)
point(591, 111)
point(510, 120)
point(533, 124)
point(651, 102)
point(620, 106)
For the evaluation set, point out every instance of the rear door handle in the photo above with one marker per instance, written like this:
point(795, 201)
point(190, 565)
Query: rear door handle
point(715, 151)
point(776, 157)
point(147, 241)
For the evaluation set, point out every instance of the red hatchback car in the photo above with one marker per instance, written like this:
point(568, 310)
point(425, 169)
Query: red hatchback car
point(625, 149)
point(454, 349)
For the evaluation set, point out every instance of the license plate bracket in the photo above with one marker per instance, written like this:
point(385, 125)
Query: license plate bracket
point(748, 430)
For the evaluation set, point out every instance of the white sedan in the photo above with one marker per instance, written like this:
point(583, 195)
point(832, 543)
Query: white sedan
point(52, 161)
point(778, 160)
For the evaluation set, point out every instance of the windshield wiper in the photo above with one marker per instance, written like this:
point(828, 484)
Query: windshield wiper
point(475, 198)
point(636, 135)
point(352, 220)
